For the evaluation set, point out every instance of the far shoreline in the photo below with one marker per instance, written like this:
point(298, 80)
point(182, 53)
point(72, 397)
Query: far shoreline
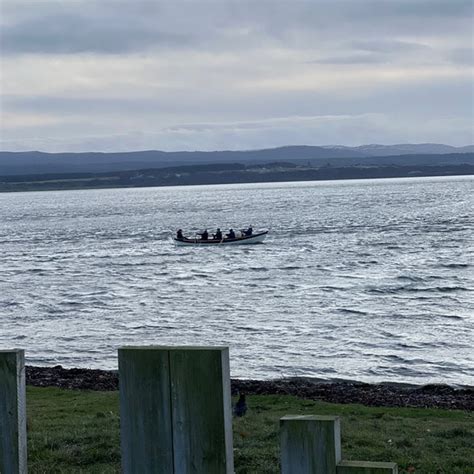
point(384, 394)
point(40, 183)
point(256, 183)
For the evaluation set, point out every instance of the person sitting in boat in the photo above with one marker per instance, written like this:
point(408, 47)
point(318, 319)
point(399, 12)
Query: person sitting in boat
point(218, 234)
point(204, 235)
point(231, 234)
point(248, 232)
point(179, 235)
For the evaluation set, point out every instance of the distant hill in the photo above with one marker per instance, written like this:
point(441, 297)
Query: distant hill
point(405, 149)
point(35, 162)
point(224, 173)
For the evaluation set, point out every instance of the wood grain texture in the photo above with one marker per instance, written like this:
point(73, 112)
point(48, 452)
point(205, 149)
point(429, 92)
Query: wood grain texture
point(310, 444)
point(365, 467)
point(145, 411)
point(13, 452)
point(176, 413)
point(202, 411)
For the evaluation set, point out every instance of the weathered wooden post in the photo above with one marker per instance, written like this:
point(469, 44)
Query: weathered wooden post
point(175, 409)
point(12, 412)
point(310, 444)
point(365, 467)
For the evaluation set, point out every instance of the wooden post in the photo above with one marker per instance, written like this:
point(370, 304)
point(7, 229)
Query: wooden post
point(175, 408)
point(145, 403)
point(201, 410)
point(310, 444)
point(364, 467)
point(12, 412)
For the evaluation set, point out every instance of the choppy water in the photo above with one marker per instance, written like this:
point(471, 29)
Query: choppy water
point(369, 280)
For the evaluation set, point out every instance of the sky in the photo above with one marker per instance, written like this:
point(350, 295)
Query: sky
point(112, 75)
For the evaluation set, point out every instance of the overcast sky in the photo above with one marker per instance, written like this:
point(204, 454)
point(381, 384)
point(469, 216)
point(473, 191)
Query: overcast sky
point(107, 75)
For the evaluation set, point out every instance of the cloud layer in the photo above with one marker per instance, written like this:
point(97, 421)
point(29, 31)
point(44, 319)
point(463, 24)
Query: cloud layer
point(113, 75)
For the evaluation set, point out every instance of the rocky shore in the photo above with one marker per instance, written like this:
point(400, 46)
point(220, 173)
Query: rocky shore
point(385, 394)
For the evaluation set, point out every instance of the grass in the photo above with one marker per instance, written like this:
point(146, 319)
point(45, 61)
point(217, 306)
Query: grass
point(78, 432)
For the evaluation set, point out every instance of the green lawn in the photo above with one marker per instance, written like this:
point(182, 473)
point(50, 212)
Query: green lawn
point(78, 431)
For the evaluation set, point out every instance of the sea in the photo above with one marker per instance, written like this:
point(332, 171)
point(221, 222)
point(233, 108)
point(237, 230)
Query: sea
point(368, 280)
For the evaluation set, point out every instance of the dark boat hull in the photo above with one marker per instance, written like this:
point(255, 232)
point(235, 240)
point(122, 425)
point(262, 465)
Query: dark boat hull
point(256, 238)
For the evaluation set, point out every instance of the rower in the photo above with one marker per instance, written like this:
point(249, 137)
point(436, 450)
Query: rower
point(218, 234)
point(249, 231)
point(179, 235)
point(204, 235)
point(231, 234)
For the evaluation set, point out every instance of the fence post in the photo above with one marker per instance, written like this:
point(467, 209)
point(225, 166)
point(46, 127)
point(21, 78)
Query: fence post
point(365, 467)
point(145, 403)
point(175, 410)
point(310, 444)
point(12, 412)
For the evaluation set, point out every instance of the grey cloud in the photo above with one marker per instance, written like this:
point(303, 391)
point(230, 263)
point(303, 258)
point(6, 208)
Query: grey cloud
point(82, 105)
point(375, 52)
point(316, 130)
point(355, 58)
point(114, 27)
point(70, 33)
point(414, 8)
point(213, 58)
point(461, 56)
point(386, 45)
point(211, 104)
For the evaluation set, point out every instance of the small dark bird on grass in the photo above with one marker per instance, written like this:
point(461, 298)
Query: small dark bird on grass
point(240, 408)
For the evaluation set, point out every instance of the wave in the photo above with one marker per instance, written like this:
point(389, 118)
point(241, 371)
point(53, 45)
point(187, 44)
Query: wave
point(352, 311)
point(411, 289)
point(325, 279)
point(9, 304)
point(455, 265)
point(449, 316)
point(410, 278)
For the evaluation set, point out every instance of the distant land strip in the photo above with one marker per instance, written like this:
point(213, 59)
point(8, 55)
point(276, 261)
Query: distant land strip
point(35, 162)
point(234, 173)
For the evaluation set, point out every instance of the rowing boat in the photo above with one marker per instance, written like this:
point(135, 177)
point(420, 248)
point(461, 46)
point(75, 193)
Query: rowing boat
point(256, 238)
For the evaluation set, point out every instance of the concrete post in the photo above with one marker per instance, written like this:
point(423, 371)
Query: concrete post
point(364, 467)
point(12, 412)
point(175, 408)
point(310, 444)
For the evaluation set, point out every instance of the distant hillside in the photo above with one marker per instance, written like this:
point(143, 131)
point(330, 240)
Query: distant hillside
point(224, 173)
point(405, 149)
point(35, 162)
